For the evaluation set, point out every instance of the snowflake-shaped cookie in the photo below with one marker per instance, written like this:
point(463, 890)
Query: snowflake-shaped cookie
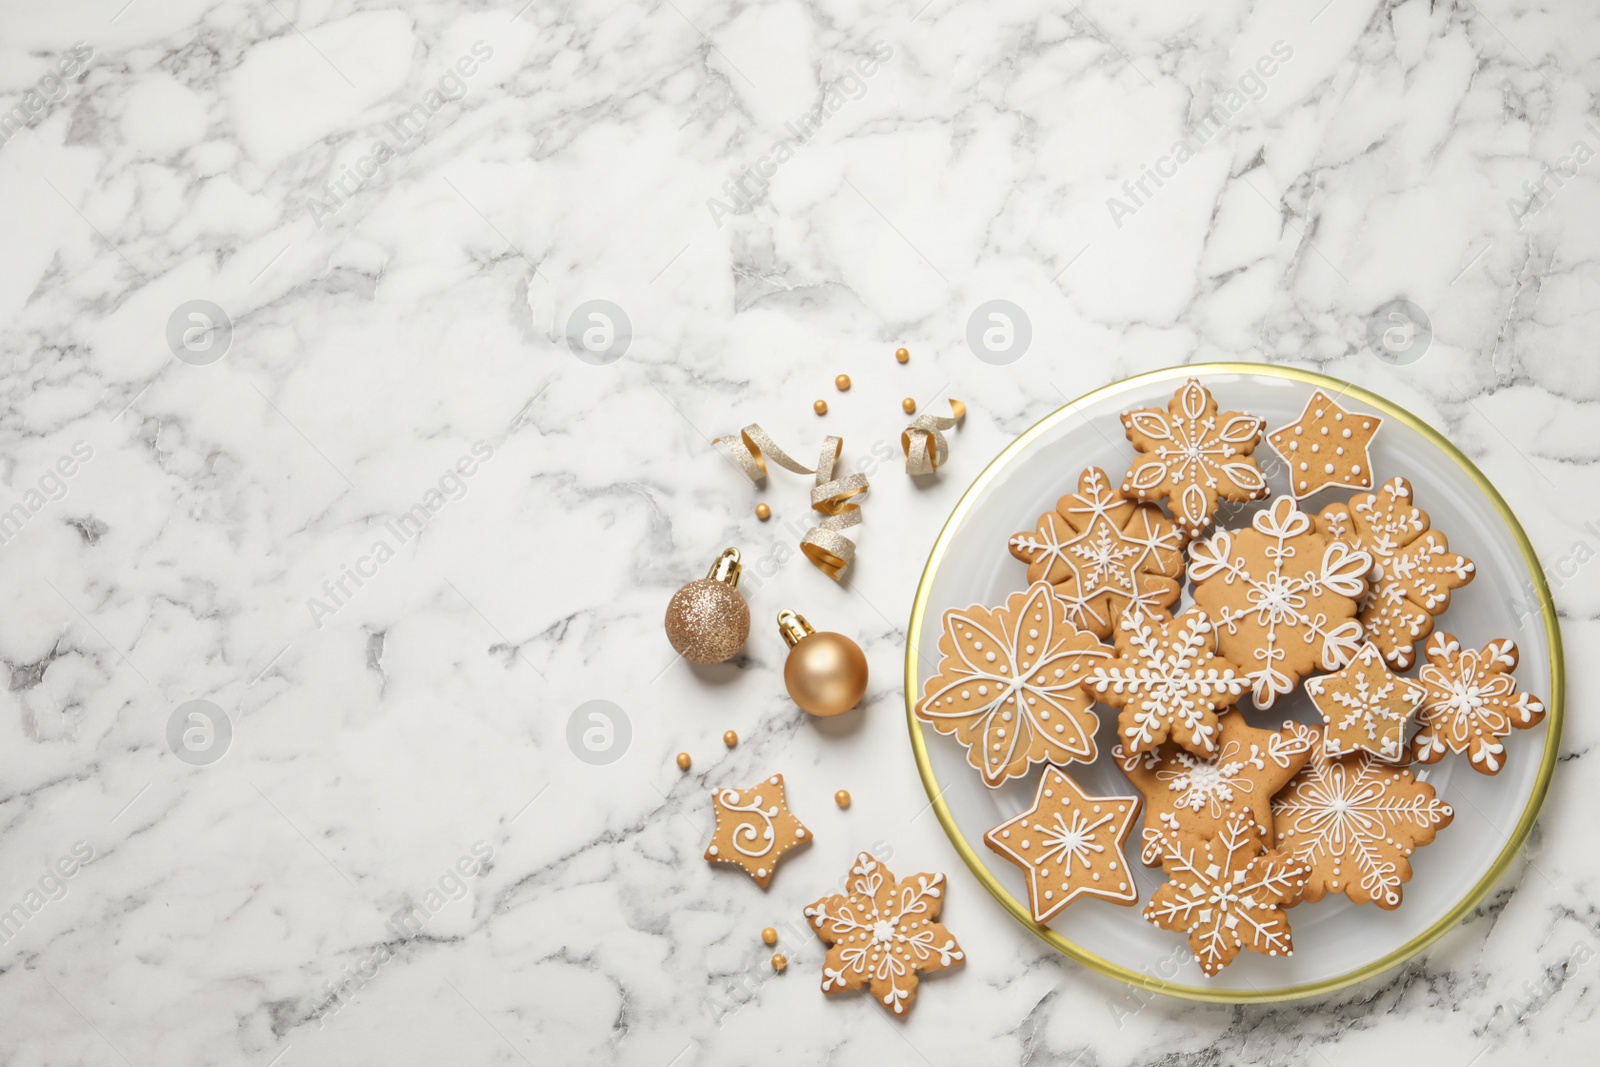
point(1168, 680)
point(1070, 844)
point(1227, 893)
point(1413, 568)
point(1194, 456)
point(1185, 793)
point(1104, 552)
point(1327, 445)
point(1283, 596)
point(755, 829)
point(1009, 685)
point(1472, 703)
point(881, 932)
point(1366, 706)
point(1354, 821)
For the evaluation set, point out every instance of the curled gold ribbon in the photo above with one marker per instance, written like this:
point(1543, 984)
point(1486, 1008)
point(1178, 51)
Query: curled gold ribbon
point(828, 549)
point(924, 443)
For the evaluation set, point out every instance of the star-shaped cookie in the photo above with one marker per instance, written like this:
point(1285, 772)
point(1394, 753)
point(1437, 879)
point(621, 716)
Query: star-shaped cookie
point(754, 828)
point(1366, 706)
point(881, 931)
point(1070, 844)
point(1188, 793)
point(1327, 446)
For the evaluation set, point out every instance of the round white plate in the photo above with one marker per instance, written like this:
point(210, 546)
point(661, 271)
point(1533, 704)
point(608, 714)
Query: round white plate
point(1336, 943)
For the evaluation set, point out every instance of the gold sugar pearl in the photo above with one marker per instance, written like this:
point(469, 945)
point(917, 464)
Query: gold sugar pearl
point(763, 512)
point(683, 761)
point(820, 407)
point(770, 936)
point(730, 739)
point(842, 382)
point(901, 355)
point(842, 798)
point(779, 962)
point(908, 406)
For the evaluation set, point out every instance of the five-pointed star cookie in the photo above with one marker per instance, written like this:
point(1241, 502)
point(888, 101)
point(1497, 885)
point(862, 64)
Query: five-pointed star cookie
point(1192, 456)
point(1366, 706)
point(1472, 703)
point(1227, 893)
point(1283, 596)
point(1413, 569)
point(1188, 793)
point(754, 828)
point(1326, 446)
point(1355, 821)
point(1010, 685)
point(1070, 844)
point(1168, 680)
point(880, 932)
point(1104, 552)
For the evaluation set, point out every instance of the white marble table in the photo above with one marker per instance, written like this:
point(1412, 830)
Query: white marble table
point(393, 212)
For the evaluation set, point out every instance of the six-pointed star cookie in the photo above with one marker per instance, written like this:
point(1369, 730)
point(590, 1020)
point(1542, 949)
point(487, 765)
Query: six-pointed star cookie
point(1193, 456)
point(1168, 680)
point(1326, 446)
point(1413, 569)
point(1366, 706)
point(1104, 552)
point(1070, 844)
point(1188, 793)
point(1283, 596)
point(1227, 893)
point(1010, 685)
point(1355, 821)
point(754, 828)
point(1472, 703)
point(881, 932)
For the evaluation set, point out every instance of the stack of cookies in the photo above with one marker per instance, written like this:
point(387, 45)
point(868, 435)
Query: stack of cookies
point(1246, 823)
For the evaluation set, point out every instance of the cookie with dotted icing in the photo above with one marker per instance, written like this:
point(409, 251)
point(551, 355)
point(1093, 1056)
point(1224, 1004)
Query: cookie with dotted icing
point(1186, 793)
point(1228, 893)
point(881, 932)
point(755, 829)
point(1192, 456)
point(1366, 706)
point(1355, 821)
point(1169, 682)
point(1413, 569)
point(1283, 595)
point(1009, 685)
point(1104, 552)
point(1327, 446)
point(1070, 845)
point(1472, 703)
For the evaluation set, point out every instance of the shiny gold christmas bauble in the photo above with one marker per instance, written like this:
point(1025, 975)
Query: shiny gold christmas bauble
point(708, 621)
point(826, 673)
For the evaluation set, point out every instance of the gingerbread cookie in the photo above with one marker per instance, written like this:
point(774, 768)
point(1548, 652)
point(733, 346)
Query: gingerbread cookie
point(1413, 568)
point(1104, 552)
point(880, 932)
point(1283, 596)
point(1185, 793)
point(1193, 456)
point(1355, 821)
point(1472, 703)
point(1366, 706)
point(1009, 685)
point(754, 829)
point(1168, 680)
point(1326, 446)
point(1228, 893)
point(1070, 844)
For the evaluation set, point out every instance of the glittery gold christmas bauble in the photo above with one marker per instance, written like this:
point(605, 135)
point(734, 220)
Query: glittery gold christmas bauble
point(707, 620)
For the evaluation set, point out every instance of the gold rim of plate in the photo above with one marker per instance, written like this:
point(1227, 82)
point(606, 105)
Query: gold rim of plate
point(1468, 901)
